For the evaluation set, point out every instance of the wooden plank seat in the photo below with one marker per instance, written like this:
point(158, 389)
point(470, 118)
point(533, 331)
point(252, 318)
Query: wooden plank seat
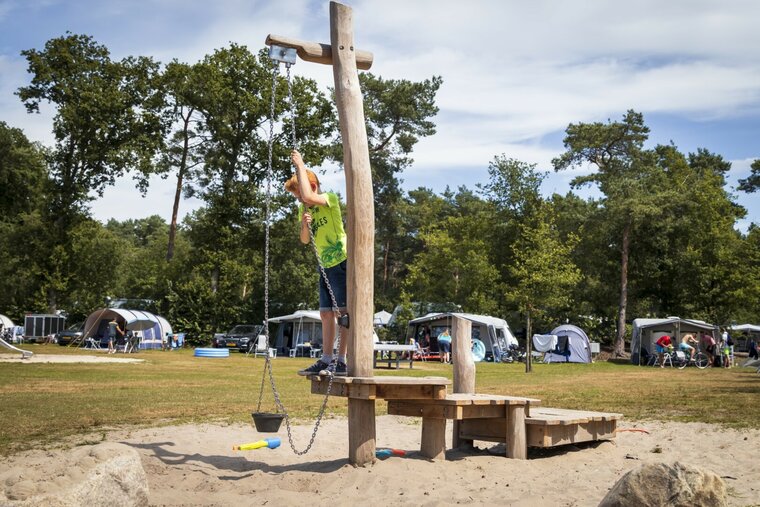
point(507, 413)
point(385, 388)
point(549, 427)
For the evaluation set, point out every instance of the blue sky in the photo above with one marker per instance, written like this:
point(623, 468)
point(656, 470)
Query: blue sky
point(515, 73)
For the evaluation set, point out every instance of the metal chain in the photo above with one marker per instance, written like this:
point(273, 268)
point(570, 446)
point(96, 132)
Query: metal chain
point(294, 140)
point(275, 73)
point(268, 362)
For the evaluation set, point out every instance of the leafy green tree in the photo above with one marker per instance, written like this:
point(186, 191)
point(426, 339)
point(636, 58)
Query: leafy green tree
point(627, 177)
point(22, 173)
point(454, 264)
point(23, 179)
point(181, 149)
point(397, 114)
point(752, 182)
point(106, 123)
point(543, 269)
point(694, 268)
point(514, 190)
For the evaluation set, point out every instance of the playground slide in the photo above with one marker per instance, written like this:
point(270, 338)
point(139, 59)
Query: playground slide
point(25, 354)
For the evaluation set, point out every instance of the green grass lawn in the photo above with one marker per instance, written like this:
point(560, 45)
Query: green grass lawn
point(42, 403)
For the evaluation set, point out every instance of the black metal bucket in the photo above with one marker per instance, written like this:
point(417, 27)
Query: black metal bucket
point(267, 422)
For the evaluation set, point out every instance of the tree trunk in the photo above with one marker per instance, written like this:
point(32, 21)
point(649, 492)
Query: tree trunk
point(178, 191)
point(385, 266)
point(528, 356)
point(620, 339)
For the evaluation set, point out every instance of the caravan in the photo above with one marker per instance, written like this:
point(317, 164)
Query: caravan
point(493, 332)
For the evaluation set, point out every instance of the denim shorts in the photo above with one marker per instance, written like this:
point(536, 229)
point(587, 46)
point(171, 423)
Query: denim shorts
point(336, 275)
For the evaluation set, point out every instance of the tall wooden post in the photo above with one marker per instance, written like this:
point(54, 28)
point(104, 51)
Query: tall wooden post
point(345, 59)
point(464, 369)
point(361, 228)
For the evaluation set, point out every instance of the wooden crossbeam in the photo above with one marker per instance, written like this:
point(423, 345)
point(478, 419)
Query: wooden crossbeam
point(317, 52)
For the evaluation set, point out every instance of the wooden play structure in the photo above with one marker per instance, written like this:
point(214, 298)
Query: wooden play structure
point(516, 421)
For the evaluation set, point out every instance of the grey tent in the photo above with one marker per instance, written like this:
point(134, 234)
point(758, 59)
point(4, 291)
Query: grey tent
point(646, 332)
point(572, 346)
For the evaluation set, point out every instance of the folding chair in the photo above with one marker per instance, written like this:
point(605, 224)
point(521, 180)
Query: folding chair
point(420, 352)
point(91, 343)
point(262, 347)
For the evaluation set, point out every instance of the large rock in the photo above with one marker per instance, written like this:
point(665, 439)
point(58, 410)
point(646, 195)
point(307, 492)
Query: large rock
point(109, 475)
point(661, 484)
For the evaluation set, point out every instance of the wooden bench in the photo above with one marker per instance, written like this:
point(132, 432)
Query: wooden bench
point(388, 352)
point(505, 413)
point(549, 427)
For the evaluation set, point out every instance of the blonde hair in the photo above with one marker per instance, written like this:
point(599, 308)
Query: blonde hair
point(292, 184)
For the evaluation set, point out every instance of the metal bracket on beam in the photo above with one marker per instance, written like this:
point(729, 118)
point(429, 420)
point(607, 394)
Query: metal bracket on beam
point(283, 54)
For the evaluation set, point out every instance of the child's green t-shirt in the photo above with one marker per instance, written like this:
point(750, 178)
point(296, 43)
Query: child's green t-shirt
point(329, 235)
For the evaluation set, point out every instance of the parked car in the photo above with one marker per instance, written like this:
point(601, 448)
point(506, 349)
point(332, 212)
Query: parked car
point(66, 336)
point(239, 337)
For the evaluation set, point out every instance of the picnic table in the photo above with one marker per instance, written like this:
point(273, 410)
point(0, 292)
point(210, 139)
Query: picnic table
point(390, 353)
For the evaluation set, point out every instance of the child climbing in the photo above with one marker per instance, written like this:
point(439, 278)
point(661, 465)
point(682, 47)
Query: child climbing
point(320, 212)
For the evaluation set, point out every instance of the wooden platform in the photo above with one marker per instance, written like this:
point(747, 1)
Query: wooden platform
point(503, 413)
point(516, 421)
point(548, 427)
point(384, 388)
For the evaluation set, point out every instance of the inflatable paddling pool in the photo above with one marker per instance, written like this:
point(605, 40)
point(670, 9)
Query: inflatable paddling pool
point(212, 353)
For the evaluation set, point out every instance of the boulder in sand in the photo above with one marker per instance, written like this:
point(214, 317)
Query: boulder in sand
point(661, 484)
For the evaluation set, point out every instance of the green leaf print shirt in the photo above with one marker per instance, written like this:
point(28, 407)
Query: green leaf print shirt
point(329, 235)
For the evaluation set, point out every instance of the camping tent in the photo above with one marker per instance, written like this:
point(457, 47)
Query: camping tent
point(741, 335)
point(492, 331)
point(6, 322)
point(300, 328)
point(647, 331)
point(382, 318)
point(149, 327)
point(572, 346)
point(302, 331)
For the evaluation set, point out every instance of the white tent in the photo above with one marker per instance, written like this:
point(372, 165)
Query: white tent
point(742, 335)
point(6, 322)
point(572, 346)
point(382, 318)
point(492, 331)
point(300, 328)
point(149, 327)
point(646, 332)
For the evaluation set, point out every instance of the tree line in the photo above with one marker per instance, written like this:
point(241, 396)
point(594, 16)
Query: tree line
point(660, 240)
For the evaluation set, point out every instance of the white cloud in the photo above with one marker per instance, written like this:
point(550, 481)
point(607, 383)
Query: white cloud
point(514, 72)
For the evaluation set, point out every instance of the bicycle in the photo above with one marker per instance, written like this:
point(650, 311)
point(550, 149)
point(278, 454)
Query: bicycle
point(680, 360)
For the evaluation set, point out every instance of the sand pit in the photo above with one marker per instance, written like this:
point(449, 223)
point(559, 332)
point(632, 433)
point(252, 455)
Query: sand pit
point(195, 465)
point(54, 358)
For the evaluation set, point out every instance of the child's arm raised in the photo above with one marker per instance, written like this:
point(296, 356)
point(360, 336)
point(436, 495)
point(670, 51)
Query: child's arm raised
point(309, 195)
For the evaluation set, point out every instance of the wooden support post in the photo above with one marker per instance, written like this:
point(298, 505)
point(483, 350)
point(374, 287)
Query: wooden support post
point(517, 442)
point(433, 444)
point(361, 228)
point(464, 370)
point(345, 60)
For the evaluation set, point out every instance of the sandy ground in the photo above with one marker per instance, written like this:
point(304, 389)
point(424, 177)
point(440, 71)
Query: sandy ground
point(195, 465)
point(53, 358)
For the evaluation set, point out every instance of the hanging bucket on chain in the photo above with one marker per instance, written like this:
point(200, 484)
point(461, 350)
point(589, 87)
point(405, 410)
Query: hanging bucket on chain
point(267, 422)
